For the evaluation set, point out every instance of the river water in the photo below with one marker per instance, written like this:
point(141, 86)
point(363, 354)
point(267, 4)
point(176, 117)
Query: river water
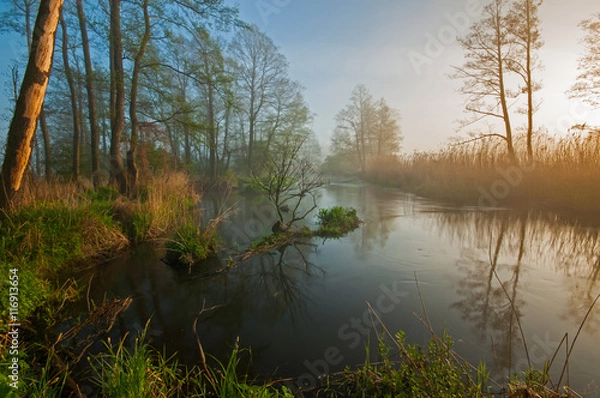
point(303, 312)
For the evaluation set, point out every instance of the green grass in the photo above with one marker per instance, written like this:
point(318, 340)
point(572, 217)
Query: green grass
point(192, 244)
point(337, 221)
point(45, 240)
point(139, 373)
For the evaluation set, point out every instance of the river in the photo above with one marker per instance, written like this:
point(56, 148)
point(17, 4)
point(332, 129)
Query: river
point(303, 309)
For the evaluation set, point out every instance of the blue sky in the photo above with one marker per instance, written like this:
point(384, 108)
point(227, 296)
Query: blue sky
point(333, 45)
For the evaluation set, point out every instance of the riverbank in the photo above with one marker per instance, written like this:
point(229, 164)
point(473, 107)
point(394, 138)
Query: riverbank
point(163, 376)
point(562, 177)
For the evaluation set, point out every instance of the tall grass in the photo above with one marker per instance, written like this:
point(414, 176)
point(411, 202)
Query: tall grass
point(58, 227)
point(564, 174)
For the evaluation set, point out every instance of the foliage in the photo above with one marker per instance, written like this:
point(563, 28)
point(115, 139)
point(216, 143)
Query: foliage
point(43, 240)
point(337, 221)
point(192, 244)
point(139, 373)
point(267, 240)
point(430, 372)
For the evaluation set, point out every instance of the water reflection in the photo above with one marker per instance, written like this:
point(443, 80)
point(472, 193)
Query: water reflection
point(506, 243)
point(289, 305)
point(263, 292)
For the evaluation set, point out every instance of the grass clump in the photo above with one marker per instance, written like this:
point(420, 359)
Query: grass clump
point(139, 372)
point(192, 244)
point(337, 221)
point(432, 372)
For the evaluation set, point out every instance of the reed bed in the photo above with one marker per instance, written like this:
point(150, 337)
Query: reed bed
point(563, 175)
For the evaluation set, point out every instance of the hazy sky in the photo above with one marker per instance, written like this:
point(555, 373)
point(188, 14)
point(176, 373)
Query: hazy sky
point(333, 45)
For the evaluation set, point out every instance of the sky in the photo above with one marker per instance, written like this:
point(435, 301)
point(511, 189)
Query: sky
point(333, 45)
point(402, 51)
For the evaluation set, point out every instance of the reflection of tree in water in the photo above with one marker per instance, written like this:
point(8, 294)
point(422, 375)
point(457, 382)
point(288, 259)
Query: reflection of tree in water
point(256, 295)
point(486, 304)
point(505, 242)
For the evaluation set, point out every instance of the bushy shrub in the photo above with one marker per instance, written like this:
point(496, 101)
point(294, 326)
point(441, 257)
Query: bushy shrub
point(337, 221)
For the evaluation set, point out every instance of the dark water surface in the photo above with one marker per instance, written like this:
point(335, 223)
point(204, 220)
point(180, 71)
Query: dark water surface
point(302, 309)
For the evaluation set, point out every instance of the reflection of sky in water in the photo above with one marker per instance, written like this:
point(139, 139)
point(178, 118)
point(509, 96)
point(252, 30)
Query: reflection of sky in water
point(292, 304)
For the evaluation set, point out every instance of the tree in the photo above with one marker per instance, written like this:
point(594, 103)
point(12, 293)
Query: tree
point(91, 96)
point(524, 27)
point(259, 68)
point(117, 97)
point(12, 19)
point(287, 178)
point(29, 103)
point(365, 129)
point(73, 97)
point(488, 50)
point(587, 85)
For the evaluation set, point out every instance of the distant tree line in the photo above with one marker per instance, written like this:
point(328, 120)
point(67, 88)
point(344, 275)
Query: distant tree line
point(365, 131)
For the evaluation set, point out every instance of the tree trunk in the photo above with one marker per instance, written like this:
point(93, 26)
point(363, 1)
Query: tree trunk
point(117, 98)
point(74, 100)
point(501, 84)
point(529, 72)
point(135, 77)
point(212, 134)
point(89, 85)
point(43, 124)
point(31, 99)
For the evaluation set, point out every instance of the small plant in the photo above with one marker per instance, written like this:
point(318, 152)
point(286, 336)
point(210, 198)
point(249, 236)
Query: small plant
point(192, 244)
point(337, 221)
point(266, 241)
point(140, 372)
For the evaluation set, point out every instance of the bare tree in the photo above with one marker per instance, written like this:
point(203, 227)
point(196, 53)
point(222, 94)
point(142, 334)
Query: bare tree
point(524, 26)
point(487, 51)
point(287, 179)
point(259, 67)
point(29, 103)
point(587, 85)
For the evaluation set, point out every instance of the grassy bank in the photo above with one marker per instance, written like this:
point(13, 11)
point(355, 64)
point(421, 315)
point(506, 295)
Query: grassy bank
point(563, 176)
point(400, 370)
point(58, 229)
